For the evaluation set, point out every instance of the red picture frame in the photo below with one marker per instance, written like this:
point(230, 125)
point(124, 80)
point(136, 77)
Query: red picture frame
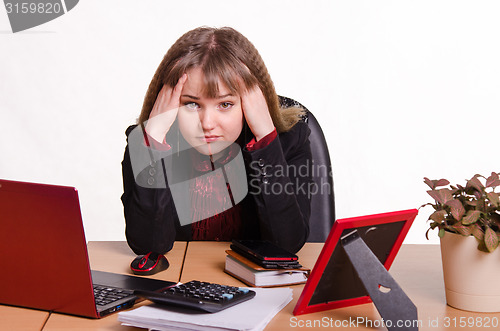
point(303, 305)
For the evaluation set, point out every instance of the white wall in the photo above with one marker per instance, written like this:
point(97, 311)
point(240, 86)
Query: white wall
point(403, 89)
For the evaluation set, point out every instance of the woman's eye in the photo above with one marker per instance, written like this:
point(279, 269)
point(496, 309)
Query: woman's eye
point(226, 105)
point(191, 105)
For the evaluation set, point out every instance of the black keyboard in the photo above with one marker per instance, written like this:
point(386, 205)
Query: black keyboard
point(203, 296)
point(105, 295)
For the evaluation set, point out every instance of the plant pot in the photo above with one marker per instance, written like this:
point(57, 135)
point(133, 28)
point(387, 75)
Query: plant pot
point(470, 276)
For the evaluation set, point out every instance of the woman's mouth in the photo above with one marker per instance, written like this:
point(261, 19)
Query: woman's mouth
point(210, 138)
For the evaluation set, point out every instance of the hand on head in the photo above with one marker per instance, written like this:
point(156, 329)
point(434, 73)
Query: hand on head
point(165, 110)
point(257, 113)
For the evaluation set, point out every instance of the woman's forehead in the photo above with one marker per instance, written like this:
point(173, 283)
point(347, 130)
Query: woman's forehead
point(198, 84)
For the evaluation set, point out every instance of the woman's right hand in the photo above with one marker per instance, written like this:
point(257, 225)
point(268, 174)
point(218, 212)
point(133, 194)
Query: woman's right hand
point(165, 110)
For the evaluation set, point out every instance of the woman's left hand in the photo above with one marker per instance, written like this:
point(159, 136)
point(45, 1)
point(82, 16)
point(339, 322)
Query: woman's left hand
point(257, 113)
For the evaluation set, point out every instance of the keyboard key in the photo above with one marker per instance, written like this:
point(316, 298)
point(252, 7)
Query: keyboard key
point(106, 295)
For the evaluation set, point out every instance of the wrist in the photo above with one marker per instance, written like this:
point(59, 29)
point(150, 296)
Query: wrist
point(158, 126)
point(155, 132)
point(263, 133)
point(255, 145)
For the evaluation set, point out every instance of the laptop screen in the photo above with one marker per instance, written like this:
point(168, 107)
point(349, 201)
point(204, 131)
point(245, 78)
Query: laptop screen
point(42, 245)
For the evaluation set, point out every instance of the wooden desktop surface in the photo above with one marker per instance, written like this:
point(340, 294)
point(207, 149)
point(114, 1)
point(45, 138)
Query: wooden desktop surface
point(417, 269)
point(14, 318)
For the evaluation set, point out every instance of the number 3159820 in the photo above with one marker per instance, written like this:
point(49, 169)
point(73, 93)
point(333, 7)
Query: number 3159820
point(32, 8)
point(471, 322)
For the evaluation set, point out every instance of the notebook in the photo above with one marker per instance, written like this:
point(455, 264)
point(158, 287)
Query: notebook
point(44, 257)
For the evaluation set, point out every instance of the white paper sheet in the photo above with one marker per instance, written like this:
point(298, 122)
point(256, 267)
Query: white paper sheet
point(254, 314)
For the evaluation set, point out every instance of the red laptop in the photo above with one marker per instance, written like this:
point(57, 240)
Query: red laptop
point(44, 255)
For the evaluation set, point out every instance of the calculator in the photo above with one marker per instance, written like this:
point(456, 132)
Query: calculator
point(201, 296)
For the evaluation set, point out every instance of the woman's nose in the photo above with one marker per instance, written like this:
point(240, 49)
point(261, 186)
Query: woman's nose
point(208, 119)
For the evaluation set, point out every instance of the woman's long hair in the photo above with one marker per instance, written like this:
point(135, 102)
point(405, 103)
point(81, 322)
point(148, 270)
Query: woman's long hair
point(224, 55)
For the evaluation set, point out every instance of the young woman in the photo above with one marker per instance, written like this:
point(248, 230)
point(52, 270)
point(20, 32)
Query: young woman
point(216, 154)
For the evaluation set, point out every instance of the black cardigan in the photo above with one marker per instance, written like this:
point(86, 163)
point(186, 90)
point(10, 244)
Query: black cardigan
point(276, 208)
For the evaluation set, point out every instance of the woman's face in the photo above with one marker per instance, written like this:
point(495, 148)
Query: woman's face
point(208, 124)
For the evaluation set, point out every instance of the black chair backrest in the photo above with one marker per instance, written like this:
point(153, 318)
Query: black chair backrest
point(323, 201)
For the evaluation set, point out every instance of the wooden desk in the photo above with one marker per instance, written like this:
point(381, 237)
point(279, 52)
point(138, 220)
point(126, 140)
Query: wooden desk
point(115, 256)
point(417, 269)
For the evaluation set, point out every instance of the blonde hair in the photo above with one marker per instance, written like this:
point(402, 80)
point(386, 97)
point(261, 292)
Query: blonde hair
point(224, 55)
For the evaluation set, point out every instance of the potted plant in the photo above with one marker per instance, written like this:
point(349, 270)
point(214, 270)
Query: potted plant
point(468, 219)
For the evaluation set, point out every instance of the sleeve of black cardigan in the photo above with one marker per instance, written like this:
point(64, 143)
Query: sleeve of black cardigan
point(280, 179)
point(148, 205)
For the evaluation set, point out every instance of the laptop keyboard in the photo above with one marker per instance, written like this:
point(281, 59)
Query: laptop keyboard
point(105, 295)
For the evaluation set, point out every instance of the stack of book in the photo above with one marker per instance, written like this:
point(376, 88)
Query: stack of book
point(253, 274)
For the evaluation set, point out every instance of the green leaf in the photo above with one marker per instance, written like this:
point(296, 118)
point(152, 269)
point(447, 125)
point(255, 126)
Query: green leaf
point(429, 183)
point(493, 180)
point(435, 183)
point(441, 196)
point(475, 183)
point(494, 198)
point(471, 217)
point(477, 232)
point(490, 239)
point(482, 247)
point(441, 233)
point(442, 182)
point(481, 204)
point(438, 216)
point(457, 209)
point(462, 229)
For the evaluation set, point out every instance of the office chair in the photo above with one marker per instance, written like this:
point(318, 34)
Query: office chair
point(323, 202)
